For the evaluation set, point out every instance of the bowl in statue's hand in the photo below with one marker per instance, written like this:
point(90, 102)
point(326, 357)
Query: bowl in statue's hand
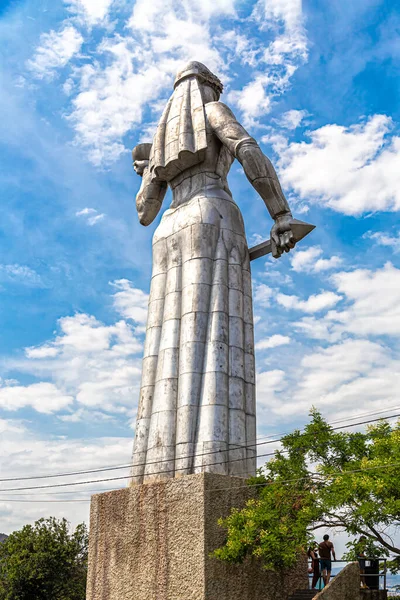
point(141, 152)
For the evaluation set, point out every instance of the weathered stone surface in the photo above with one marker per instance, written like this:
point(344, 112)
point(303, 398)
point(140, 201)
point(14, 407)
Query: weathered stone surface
point(152, 542)
point(373, 594)
point(344, 586)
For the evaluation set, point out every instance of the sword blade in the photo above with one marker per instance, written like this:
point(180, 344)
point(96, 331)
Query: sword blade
point(300, 230)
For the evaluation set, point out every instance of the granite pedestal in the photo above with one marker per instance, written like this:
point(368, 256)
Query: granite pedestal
point(153, 542)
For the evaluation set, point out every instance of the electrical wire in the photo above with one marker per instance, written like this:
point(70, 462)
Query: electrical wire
point(103, 469)
point(6, 500)
point(368, 414)
point(155, 462)
point(57, 485)
point(326, 476)
point(163, 472)
point(263, 484)
point(358, 416)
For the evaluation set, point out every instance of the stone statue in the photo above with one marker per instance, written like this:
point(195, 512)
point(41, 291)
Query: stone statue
point(197, 400)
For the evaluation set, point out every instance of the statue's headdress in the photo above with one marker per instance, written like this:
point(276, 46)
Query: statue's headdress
point(180, 139)
point(197, 69)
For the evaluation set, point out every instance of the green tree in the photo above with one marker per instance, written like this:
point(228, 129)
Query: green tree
point(44, 561)
point(320, 478)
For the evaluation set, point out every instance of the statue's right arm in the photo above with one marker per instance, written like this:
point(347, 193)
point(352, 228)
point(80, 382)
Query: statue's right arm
point(257, 167)
point(150, 197)
point(259, 171)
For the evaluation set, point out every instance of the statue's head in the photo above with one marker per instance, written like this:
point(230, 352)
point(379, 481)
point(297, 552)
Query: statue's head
point(180, 140)
point(211, 86)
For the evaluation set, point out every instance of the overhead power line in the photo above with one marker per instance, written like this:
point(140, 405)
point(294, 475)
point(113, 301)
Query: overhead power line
point(263, 484)
point(95, 491)
point(163, 472)
point(6, 500)
point(57, 485)
point(367, 414)
point(358, 416)
point(336, 474)
point(118, 467)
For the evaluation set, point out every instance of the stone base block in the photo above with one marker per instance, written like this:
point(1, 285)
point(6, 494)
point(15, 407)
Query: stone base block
point(153, 542)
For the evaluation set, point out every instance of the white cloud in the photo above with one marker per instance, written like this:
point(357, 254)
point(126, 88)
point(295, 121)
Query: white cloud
point(43, 397)
point(134, 70)
point(277, 140)
point(316, 328)
point(41, 352)
point(375, 297)
point(20, 274)
point(384, 239)
point(314, 303)
point(284, 54)
point(269, 383)
point(325, 264)
point(86, 211)
point(303, 260)
point(187, 38)
point(262, 294)
point(94, 364)
point(292, 41)
point(147, 132)
point(239, 47)
point(147, 16)
point(292, 119)
point(90, 12)
point(275, 275)
point(341, 377)
point(273, 342)
point(24, 453)
point(93, 220)
point(92, 215)
point(130, 302)
point(338, 364)
point(112, 98)
point(253, 100)
point(55, 50)
point(256, 239)
point(350, 169)
point(310, 261)
point(371, 307)
point(327, 368)
point(83, 414)
point(288, 11)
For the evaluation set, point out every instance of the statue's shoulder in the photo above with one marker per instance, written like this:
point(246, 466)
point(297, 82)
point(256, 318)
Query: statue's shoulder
point(218, 114)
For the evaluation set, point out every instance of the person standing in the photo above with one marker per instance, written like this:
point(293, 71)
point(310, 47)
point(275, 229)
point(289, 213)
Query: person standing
point(326, 552)
point(360, 549)
point(314, 569)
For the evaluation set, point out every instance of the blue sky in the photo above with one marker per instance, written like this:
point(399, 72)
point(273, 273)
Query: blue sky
point(82, 82)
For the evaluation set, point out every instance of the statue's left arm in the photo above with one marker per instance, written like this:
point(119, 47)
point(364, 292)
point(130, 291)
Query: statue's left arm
point(259, 171)
point(150, 195)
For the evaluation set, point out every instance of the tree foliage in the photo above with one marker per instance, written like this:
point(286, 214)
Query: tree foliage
point(320, 478)
point(44, 561)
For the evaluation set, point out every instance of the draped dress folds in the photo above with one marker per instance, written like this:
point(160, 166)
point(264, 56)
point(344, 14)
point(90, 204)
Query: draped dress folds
point(197, 400)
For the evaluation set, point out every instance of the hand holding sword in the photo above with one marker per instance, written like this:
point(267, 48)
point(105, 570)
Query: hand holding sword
point(285, 233)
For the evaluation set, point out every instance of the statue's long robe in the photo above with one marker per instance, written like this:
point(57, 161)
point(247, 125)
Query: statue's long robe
point(197, 401)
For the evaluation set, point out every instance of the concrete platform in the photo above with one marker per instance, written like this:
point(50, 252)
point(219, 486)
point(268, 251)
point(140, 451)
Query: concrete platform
point(153, 541)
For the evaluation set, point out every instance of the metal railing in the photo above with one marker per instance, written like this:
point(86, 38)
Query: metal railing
point(367, 561)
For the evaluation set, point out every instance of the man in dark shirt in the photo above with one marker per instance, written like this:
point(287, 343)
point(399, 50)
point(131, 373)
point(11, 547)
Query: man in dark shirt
point(325, 550)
